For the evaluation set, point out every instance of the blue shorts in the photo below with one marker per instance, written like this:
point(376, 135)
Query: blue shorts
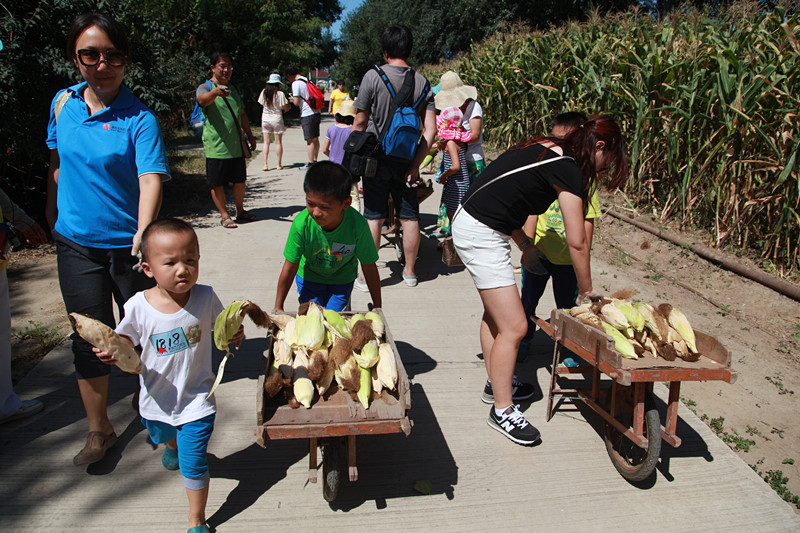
point(335, 297)
point(390, 179)
point(192, 438)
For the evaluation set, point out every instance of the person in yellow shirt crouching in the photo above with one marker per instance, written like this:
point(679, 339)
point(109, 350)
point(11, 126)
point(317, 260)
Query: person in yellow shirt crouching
point(547, 232)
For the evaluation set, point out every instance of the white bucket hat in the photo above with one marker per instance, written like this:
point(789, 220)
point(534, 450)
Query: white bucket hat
point(453, 92)
point(274, 78)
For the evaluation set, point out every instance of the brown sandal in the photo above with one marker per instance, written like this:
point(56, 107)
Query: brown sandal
point(96, 446)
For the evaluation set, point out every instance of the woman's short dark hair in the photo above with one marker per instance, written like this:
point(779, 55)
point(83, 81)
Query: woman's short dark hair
point(115, 31)
point(397, 41)
point(327, 178)
point(217, 55)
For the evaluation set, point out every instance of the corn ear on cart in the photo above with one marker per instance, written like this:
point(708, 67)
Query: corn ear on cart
point(633, 430)
point(333, 421)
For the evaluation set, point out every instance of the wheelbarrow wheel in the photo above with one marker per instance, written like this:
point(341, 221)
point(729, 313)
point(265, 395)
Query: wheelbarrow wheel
point(331, 471)
point(633, 462)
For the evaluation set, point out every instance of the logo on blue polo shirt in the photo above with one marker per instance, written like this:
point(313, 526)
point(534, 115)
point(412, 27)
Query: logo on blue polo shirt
point(117, 129)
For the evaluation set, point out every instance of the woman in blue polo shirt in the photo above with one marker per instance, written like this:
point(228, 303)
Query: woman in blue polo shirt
point(107, 162)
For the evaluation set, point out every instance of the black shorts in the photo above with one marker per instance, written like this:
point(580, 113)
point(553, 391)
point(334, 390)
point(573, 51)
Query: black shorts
point(310, 126)
point(220, 172)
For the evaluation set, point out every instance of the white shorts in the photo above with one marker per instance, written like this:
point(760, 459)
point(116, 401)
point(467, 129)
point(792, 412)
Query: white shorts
point(485, 252)
point(272, 125)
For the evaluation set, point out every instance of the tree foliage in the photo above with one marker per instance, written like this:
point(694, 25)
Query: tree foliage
point(171, 41)
point(444, 28)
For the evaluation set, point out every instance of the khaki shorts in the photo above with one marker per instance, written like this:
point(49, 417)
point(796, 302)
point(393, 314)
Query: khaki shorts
point(486, 253)
point(272, 125)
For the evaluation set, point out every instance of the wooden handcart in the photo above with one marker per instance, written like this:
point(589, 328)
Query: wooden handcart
point(633, 430)
point(333, 422)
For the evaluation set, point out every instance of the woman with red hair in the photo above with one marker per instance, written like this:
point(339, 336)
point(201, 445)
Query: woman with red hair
point(524, 181)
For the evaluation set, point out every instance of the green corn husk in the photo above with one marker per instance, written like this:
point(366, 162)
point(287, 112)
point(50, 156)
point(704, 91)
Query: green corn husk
point(646, 310)
point(378, 327)
point(227, 324)
point(337, 322)
point(621, 344)
point(310, 331)
point(681, 324)
point(365, 390)
point(614, 316)
point(634, 317)
point(355, 318)
point(369, 355)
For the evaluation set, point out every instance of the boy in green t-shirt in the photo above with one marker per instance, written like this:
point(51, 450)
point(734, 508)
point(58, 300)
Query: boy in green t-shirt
point(548, 234)
point(326, 242)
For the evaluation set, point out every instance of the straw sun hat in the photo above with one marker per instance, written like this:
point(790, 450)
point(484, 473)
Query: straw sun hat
point(347, 109)
point(453, 92)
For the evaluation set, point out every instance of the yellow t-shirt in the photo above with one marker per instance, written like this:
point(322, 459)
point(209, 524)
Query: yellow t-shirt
point(550, 234)
point(337, 97)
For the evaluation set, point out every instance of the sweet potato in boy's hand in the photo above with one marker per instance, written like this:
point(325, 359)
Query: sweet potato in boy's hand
point(108, 342)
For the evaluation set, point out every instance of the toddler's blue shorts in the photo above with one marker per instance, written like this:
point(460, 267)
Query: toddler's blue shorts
point(192, 438)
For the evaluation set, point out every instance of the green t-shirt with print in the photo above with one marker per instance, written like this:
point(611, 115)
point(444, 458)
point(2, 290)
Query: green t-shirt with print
point(551, 238)
point(220, 136)
point(330, 257)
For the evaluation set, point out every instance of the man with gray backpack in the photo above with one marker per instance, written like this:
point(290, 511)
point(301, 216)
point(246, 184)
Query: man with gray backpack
point(395, 104)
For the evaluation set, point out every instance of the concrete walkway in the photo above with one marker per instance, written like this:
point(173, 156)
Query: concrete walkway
point(481, 481)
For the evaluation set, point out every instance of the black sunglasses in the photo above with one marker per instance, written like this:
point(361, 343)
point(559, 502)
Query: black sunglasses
point(90, 58)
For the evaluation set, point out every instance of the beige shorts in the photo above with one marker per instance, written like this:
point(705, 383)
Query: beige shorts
point(485, 252)
point(272, 125)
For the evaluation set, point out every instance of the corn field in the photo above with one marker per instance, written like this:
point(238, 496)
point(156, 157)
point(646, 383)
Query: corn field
point(709, 105)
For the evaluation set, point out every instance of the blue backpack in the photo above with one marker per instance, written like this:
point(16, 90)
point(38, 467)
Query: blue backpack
point(401, 132)
point(197, 120)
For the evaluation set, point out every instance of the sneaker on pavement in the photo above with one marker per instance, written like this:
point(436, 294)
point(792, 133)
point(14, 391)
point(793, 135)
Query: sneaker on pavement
point(411, 281)
point(361, 285)
point(28, 408)
point(513, 425)
point(519, 391)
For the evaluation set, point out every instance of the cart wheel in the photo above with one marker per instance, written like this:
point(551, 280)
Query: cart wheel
point(331, 472)
point(631, 461)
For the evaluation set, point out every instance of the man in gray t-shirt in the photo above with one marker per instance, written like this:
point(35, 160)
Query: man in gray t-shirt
point(398, 178)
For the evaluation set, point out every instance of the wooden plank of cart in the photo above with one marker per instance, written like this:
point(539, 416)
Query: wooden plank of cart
point(633, 431)
point(333, 421)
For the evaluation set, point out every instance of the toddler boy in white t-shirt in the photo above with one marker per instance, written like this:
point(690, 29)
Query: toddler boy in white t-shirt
point(173, 322)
